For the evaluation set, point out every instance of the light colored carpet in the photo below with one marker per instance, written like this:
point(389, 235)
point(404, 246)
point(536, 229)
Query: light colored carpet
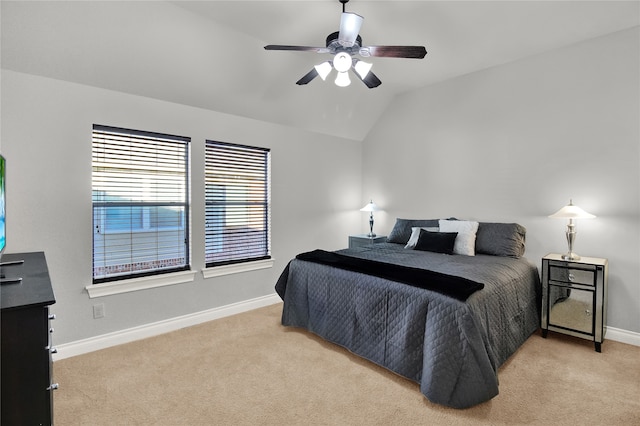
point(249, 370)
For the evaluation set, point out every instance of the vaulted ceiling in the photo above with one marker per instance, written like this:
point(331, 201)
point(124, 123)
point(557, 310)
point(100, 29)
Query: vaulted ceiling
point(209, 54)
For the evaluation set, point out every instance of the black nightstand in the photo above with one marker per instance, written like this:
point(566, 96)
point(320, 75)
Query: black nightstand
point(365, 240)
point(574, 297)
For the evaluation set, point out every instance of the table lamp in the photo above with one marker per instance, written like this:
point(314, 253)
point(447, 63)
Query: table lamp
point(571, 212)
point(371, 207)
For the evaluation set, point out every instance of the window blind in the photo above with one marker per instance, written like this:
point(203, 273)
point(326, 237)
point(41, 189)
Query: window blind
point(237, 203)
point(140, 203)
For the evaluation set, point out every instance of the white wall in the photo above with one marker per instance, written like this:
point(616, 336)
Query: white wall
point(46, 138)
point(514, 143)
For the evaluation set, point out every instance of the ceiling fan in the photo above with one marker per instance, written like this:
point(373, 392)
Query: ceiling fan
point(344, 45)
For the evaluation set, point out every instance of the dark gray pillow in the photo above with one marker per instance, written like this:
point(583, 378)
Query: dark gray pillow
point(438, 242)
point(401, 231)
point(501, 239)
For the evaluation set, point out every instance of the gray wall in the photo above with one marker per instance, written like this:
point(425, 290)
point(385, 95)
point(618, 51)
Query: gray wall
point(46, 138)
point(514, 143)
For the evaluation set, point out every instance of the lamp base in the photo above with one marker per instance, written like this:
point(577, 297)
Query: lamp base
point(570, 256)
point(371, 235)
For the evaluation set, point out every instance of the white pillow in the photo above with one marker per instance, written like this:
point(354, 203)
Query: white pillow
point(466, 238)
point(415, 234)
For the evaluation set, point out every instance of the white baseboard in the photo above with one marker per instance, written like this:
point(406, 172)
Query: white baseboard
point(67, 350)
point(623, 336)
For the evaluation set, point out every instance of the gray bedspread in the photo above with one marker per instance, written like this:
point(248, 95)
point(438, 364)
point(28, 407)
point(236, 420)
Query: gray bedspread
point(453, 349)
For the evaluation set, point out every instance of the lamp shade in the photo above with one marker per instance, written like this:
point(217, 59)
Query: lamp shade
point(342, 79)
point(371, 207)
point(323, 69)
point(572, 212)
point(342, 61)
point(362, 68)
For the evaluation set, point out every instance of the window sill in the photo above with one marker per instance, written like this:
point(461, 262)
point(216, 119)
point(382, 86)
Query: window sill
point(143, 283)
point(237, 268)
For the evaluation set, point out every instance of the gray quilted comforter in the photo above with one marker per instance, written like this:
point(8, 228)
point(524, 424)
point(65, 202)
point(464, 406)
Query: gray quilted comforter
point(453, 349)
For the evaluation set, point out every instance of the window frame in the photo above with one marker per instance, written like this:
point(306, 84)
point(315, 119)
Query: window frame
point(238, 157)
point(100, 134)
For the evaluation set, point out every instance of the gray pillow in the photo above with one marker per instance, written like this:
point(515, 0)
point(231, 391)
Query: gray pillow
point(501, 239)
point(401, 231)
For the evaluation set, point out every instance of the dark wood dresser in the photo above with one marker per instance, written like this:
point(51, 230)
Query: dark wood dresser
point(26, 362)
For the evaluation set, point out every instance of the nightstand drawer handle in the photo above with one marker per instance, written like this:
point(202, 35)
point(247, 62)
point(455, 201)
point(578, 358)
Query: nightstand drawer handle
point(53, 386)
point(588, 312)
point(52, 316)
point(571, 277)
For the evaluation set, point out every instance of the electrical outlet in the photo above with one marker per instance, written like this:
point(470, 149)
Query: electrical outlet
point(98, 311)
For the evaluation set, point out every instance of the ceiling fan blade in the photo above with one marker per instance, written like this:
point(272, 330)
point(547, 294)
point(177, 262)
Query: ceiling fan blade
point(415, 52)
point(297, 48)
point(307, 77)
point(371, 80)
point(350, 24)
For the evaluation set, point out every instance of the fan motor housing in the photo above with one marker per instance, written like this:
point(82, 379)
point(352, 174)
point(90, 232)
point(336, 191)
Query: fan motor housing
point(335, 46)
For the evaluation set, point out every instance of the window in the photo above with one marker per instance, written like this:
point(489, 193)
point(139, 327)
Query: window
point(140, 203)
point(237, 198)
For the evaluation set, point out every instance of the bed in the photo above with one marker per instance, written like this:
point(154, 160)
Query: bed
point(443, 303)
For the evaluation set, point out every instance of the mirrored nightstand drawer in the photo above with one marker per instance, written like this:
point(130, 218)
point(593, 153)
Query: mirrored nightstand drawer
point(568, 275)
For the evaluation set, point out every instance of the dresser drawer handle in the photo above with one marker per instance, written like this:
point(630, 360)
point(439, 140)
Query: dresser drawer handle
point(53, 387)
point(52, 316)
point(51, 330)
point(571, 277)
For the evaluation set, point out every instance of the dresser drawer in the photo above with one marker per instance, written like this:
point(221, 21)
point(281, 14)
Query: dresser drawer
point(570, 275)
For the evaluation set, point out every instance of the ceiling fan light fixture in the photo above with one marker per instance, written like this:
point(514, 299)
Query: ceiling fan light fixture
point(342, 62)
point(323, 69)
point(342, 45)
point(362, 68)
point(350, 24)
point(342, 79)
